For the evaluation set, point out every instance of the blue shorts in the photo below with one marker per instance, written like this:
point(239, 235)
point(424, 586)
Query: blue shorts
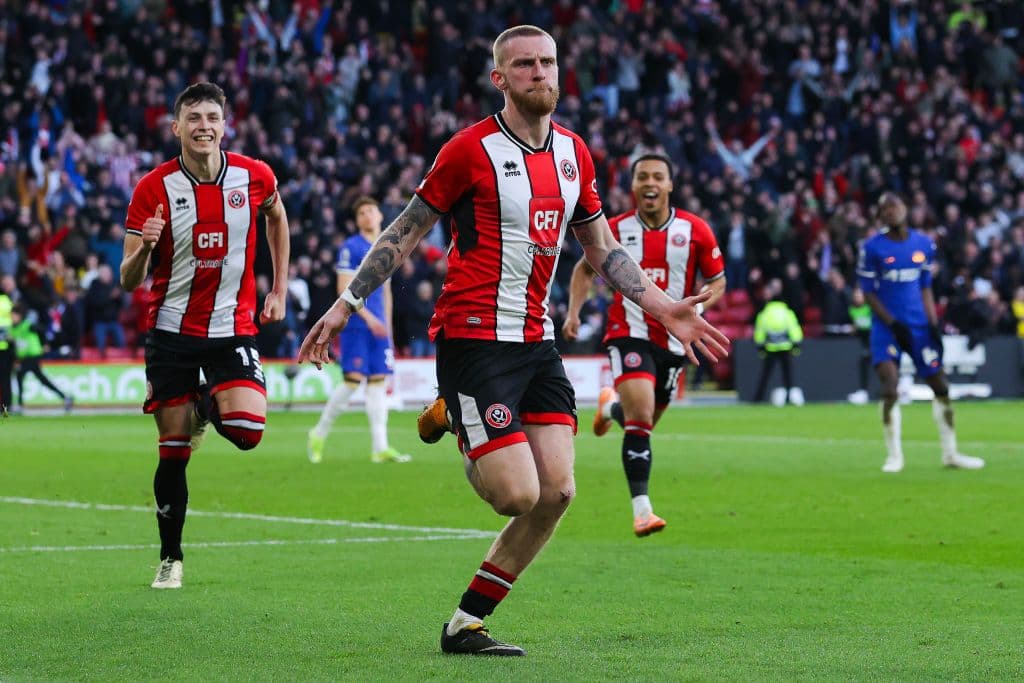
point(927, 358)
point(365, 354)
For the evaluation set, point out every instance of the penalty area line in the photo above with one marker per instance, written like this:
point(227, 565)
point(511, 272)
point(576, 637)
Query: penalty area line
point(238, 544)
point(312, 521)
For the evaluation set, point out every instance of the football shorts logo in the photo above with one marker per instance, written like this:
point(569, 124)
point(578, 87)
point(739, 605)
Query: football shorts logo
point(918, 257)
point(632, 360)
point(568, 170)
point(679, 240)
point(236, 200)
point(498, 415)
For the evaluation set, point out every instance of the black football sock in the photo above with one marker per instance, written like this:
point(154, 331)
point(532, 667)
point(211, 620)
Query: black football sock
point(170, 488)
point(636, 457)
point(617, 414)
point(489, 587)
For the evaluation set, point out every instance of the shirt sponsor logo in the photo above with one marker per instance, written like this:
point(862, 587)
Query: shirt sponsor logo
point(541, 250)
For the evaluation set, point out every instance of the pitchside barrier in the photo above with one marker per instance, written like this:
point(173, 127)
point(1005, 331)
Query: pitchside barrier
point(827, 369)
point(103, 384)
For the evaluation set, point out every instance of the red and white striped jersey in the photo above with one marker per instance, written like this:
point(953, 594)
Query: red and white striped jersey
point(510, 205)
point(670, 254)
point(203, 281)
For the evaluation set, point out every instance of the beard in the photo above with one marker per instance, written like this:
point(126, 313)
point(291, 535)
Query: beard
point(536, 103)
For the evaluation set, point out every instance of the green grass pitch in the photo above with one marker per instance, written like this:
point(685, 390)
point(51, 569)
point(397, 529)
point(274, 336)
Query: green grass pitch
point(788, 555)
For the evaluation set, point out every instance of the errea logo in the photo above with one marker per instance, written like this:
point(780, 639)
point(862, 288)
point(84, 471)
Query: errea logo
point(181, 204)
point(511, 169)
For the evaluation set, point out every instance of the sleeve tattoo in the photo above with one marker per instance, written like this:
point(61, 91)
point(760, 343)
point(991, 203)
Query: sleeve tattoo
point(622, 272)
point(387, 254)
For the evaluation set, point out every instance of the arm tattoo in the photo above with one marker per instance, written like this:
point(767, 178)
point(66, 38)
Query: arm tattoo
point(584, 234)
point(392, 247)
point(623, 273)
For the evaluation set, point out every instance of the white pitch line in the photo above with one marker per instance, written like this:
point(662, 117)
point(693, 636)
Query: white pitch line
point(238, 544)
point(75, 505)
point(778, 439)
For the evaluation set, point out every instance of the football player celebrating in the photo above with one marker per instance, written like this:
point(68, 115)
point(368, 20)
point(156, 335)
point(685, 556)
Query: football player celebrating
point(670, 245)
point(194, 219)
point(895, 274)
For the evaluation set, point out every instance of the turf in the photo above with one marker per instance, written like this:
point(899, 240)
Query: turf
point(788, 556)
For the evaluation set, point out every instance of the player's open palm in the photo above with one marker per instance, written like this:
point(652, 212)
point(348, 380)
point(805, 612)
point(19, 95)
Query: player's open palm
point(153, 227)
point(315, 347)
point(685, 323)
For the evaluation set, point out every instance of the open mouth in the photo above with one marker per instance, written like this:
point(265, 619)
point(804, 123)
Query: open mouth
point(203, 138)
point(650, 195)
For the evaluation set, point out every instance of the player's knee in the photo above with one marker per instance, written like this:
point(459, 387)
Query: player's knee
point(515, 502)
point(244, 430)
point(555, 500)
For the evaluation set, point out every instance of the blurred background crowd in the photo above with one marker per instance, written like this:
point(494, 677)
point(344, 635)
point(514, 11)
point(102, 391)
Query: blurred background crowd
point(786, 119)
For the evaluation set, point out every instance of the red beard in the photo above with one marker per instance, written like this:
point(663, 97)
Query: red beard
point(536, 103)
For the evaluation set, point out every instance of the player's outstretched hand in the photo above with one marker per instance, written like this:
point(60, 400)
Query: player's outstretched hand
point(315, 347)
point(685, 324)
point(571, 327)
point(273, 308)
point(152, 228)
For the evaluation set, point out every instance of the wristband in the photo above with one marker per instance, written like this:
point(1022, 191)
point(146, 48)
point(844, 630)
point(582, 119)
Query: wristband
point(354, 302)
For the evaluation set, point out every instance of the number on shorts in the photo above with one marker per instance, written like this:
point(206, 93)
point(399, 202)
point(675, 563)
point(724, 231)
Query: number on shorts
point(245, 353)
point(673, 379)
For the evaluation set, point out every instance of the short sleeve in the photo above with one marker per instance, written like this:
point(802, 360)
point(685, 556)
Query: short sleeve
point(709, 256)
point(264, 182)
point(450, 177)
point(349, 258)
point(588, 207)
point(867, 269)
point(143, 205)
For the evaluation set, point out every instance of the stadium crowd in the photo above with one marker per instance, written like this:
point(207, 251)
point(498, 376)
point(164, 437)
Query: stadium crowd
point(786, 120)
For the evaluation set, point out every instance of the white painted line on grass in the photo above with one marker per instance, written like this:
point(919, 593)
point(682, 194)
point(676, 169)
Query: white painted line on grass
point(238, 544)
point(828, 441)
point(75, 505)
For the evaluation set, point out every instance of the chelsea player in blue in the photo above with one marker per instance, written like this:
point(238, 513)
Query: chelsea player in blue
point(895, 273)
point(366, 353)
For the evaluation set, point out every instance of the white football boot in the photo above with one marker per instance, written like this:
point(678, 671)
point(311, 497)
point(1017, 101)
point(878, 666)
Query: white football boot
point(169, 574)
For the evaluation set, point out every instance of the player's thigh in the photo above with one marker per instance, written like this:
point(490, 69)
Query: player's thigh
point(483, 382)
point(172, 372)
point(888, 376)
point(174, 420)
point(554, 456)
point(637, 399)
point(508, 476)
point(355, 351)
point(234, 372)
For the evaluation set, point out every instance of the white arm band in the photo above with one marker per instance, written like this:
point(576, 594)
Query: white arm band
point(354, 302)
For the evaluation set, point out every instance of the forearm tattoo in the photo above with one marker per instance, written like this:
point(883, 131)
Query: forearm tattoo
point(392, 247)
point(584, 234)
point(622, 272)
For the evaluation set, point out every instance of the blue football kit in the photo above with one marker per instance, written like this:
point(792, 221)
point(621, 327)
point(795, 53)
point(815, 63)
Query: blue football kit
point(361, 351)
point(897, 272)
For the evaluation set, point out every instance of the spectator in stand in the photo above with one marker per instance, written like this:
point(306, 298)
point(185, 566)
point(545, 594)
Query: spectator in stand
point(103, 310)
point(418, 320)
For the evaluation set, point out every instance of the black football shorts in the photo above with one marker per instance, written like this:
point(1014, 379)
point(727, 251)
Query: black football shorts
point(173, 362)
point(493, 388)
point(640, 359)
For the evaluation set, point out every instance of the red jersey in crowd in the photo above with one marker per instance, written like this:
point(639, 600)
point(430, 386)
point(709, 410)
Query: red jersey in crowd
point(510, 205)
point(670, 254)
point(203, 281)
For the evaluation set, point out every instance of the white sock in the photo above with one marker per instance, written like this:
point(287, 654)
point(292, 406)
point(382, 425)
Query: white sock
point(947, 436)
point(892, 431)
point(461, 620)
point(642, 506)
point(377, 414)
point(334, 407)
point(606, 409)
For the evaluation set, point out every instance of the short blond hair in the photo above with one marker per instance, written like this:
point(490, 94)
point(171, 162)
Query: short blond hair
point(515, 32)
